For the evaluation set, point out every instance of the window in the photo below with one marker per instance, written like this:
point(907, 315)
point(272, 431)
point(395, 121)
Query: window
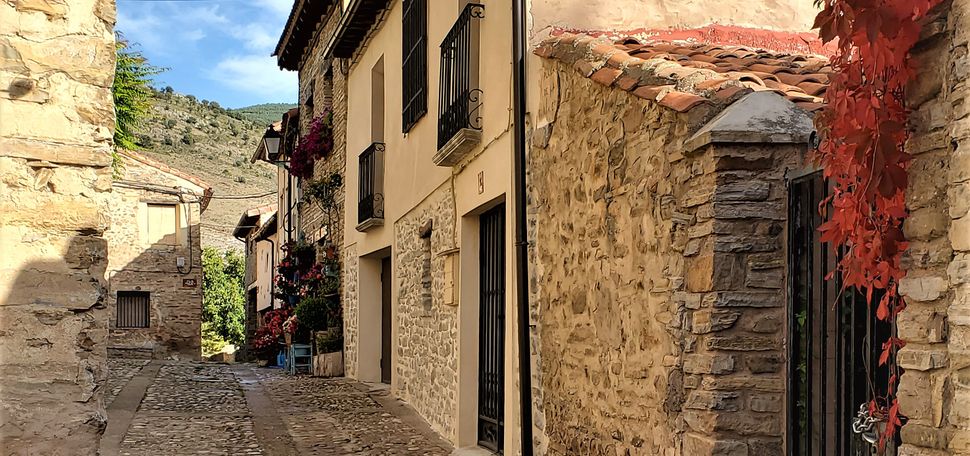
point(132, 309)
point(833, 337)
point(459, 95)
point(370, 196)
point(415, 54)
point(377, 101)
point(161, 225)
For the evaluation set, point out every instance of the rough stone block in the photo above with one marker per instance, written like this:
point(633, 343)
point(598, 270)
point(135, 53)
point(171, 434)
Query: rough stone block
point(747, 190)
point(923, 289)
point(925, 436)
point(708, 364)
point(926, 223)
point(765, 278)
point(764, 364)
point(713, 400)
point(742, 343)
point(711, 320)
point(960, 233)
point(699, 445)
point(922, 359)
point(766, 402)
point(743, 299)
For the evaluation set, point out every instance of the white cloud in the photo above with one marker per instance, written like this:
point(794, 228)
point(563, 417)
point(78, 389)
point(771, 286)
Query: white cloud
point(280, 7)
point(254, 36)
point(256, 75)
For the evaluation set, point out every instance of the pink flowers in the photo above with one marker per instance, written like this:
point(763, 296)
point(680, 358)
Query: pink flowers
point(315, 144)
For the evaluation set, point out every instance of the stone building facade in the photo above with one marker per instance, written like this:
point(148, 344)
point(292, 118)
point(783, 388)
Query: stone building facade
point(155, 261)
point(56, 124)
point(935, 389)
point(258, 229)
point(659, 268)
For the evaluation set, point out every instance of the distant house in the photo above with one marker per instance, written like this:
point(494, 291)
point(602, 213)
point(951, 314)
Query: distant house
point(257, 228)
point(155, 260)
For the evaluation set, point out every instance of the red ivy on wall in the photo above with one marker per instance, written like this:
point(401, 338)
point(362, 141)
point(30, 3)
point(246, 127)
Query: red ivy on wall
point(862, 152)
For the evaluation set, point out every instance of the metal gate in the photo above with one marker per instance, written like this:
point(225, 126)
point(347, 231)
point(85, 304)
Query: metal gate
point(491, 334)
point(830, 343)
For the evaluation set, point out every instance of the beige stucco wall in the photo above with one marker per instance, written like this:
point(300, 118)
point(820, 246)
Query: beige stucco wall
point(265, 252)
point(56, 124)
point(627, 15)
point(414, 191)
point(134, 263)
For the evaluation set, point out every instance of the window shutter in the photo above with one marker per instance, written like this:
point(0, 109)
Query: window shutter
point(415, 57)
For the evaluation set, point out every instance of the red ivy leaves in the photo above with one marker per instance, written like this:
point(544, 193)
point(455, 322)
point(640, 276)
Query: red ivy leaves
point(862, 152)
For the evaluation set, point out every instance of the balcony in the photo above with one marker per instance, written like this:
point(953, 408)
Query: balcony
point(370, 188)
point(460, 98)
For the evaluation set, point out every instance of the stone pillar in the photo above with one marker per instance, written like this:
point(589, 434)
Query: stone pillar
point(734, 358)
point(935, 388)
point(56, 123)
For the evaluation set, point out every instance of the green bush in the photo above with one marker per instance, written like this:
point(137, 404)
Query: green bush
point(168, 141)
point(241, 179)
point(191, 120)
point(188, 139)
point(169, 123)
point(313, 312)
point(331, 340)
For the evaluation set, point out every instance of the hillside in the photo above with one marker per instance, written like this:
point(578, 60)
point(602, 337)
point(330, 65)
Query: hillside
point(215, 145)
point(263, 114)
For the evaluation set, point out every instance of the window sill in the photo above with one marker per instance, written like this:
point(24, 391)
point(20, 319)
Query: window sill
point(458, 147)
point(370, 223)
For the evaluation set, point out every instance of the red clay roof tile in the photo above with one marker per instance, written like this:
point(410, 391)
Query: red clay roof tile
point(681, 101)
point(652, 70)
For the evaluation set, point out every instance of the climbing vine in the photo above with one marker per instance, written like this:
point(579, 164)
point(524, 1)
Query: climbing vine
point(862, 134)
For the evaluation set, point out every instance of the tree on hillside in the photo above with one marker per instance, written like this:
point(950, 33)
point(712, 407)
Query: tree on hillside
point(132, 92)
point(223, 294)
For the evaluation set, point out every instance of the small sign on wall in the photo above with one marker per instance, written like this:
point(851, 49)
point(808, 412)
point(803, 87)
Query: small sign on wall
point(190, 283)
point(481, 182)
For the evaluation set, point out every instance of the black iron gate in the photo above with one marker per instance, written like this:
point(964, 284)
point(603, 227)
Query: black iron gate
point(830, 343)
point(491, 330)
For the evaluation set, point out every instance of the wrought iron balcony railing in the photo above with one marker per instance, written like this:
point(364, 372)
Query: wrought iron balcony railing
point(370, 202)
point(459, 95)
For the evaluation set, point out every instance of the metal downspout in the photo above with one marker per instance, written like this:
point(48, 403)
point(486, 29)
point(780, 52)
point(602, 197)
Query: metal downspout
point(521, 234)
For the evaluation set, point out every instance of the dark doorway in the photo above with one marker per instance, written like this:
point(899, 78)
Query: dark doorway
point(491, 333)
point(833, 338)
point(386, 320)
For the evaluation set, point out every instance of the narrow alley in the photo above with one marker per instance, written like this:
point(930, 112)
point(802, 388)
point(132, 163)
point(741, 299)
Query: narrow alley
point(184, 408)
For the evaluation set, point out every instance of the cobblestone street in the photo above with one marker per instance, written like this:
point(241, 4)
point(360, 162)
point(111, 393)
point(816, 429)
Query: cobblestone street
point(169, 408)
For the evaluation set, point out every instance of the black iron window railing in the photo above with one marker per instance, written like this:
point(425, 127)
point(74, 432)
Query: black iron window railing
point(459, 96)
point(370, 202)
point(415, 67)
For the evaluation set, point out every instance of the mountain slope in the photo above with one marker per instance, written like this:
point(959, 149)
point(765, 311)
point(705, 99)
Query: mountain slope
point(215, 145)
point(265, 113)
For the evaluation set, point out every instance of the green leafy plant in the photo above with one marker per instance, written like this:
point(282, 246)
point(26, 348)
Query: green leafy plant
point(223, 294)
point(330, 340)
point(315, 313)
point(132, 92)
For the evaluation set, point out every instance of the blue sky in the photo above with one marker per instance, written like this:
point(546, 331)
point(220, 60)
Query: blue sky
point(217, 50)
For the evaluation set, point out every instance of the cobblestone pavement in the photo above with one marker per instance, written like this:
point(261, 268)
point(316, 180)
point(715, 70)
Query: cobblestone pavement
point(203, 409)
point(338, 416)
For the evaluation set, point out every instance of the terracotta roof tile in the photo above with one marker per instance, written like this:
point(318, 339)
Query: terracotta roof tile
point(680, 101)
point(682, 75)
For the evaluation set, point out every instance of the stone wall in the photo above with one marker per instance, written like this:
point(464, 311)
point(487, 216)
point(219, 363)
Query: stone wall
point(658, 278)
point(351, 306)
point(324, 82)
point(175, 316)
point(426, 372)
point(935, 389)
point(56, 123)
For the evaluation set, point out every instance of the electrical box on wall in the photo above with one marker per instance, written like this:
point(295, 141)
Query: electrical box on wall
point(180, 262)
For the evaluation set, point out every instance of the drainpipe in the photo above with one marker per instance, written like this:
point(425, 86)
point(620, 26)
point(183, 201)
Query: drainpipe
point(519, 46)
